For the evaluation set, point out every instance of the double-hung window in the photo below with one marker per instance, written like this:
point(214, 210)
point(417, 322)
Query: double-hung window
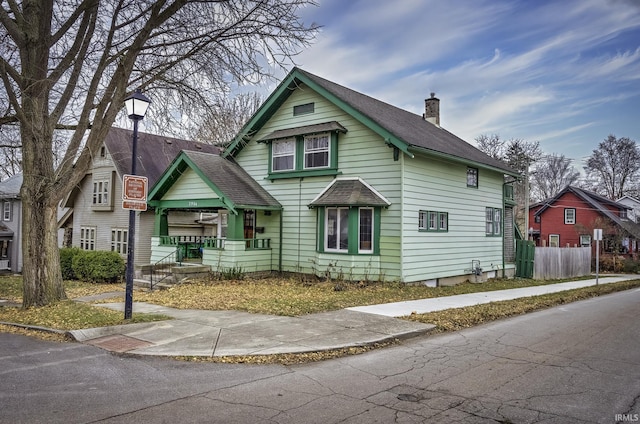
point(283, 155)
point(88, 238)
point(493, 221)
point(101, 193)
point(472, 177)
point(316, 151)
point(119, 240)
point(6, 211)
point(569, 216)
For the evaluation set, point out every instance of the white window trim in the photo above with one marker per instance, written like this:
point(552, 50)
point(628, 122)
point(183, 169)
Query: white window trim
point(566, 218)
point(555, 236)
point(370, 250)
point(274, 155)
point(88, 238)
point(326, 230)
point(585, 240)
point(101, 197)
point(120, 246)
point(305, 151)
point(495, 222)
point(6, 211)
point(422, 220)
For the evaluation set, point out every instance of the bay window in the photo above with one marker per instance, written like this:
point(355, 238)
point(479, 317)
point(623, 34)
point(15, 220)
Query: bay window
point(349, 229)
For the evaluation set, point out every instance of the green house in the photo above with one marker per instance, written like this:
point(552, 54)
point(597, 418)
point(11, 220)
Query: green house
point(329, 181)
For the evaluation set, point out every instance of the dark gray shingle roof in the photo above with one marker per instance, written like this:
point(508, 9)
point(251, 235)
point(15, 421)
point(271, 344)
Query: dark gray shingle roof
point(154, 152)
point(349, 192)
point(236, 184)
point(409, 127)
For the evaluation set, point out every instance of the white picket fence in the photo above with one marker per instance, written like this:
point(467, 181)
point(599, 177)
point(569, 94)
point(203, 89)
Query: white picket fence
point(561, 262)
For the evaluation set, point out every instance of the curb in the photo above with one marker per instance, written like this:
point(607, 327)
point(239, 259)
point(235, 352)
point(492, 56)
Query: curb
point(38, 328)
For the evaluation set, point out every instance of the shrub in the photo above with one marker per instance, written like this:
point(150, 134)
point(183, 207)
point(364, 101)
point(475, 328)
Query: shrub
point(611, 263)
point(631, 266)
point(66, 262)
point(98, 266)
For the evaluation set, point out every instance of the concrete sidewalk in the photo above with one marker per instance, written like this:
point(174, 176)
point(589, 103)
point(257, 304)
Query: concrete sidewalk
point(423, 306)
point(233, 333)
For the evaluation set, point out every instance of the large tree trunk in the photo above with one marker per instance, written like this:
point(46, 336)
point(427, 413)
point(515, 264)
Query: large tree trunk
point(41, 260)
point(41, 263)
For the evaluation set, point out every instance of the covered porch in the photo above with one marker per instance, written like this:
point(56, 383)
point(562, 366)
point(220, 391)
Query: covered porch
point(239, 222)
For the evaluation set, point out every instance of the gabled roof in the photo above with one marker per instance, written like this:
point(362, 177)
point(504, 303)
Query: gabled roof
point(10, 188)
point(224, 176)
point(632, 200)
point(349, 192)
point(598, 203)
point(5, 231)
point(405, 130)
point(154, 152)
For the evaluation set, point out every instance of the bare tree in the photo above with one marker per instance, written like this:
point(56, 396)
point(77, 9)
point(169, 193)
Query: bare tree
point(613, 167)
point(68, 66)
point(220, 125)
point(552, 174)
point(519, 155)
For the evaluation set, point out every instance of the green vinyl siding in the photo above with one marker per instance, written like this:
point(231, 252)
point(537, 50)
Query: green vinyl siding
point(433, 184)
point(189, 186)
point(361, 153)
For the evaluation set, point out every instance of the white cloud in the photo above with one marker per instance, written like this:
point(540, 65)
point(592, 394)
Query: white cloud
point(552, 71)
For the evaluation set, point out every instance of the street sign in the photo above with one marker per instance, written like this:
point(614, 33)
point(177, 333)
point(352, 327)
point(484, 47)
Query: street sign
point(134, 205)
point(134, 187)
point(597, 234)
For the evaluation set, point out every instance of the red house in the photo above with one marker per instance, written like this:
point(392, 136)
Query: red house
point(569, 218)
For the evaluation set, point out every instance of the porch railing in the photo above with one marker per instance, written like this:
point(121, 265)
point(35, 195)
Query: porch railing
point(162, 268)
point(191, 246)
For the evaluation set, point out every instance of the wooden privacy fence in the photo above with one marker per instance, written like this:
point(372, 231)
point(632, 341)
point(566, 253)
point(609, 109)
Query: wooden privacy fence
point(561, 262)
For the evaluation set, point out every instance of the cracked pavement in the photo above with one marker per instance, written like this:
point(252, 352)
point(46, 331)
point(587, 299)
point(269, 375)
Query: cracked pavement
point(578, 363)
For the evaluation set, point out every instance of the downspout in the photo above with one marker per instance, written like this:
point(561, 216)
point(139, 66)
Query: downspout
point(504, 207)
point(299, 269)
point(280, 243)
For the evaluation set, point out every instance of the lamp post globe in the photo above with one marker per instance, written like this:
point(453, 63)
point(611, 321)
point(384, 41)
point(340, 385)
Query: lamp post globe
point(136, 105)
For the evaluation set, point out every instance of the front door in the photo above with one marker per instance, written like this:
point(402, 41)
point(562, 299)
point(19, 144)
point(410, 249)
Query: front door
point(249, 226)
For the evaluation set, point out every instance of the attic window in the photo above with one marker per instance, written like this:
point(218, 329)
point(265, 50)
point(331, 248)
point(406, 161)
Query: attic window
point(304, 109)
point(103, 151)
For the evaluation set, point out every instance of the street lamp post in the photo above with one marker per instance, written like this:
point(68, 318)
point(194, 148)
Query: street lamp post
point(136, 105)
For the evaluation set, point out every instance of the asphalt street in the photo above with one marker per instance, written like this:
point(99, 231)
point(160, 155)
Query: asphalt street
point(578, 363)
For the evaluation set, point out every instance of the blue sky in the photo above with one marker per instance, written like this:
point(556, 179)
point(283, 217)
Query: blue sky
point(565, 73)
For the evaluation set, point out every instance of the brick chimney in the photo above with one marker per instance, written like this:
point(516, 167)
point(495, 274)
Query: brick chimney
point(432, 110)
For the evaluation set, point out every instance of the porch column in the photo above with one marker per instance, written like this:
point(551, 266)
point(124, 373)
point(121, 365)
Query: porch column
point(235, 225)
point(161, 223)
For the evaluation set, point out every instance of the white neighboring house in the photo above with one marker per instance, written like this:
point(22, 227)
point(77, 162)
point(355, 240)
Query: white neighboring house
point(10, 227)
point(633, 213)
point(91, 217)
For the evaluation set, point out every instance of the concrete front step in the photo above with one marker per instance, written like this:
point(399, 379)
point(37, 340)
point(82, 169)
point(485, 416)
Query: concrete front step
point(176, 274)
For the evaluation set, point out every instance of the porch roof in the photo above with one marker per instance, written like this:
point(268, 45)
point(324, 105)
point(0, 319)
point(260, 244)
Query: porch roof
point(349, 192)
point(233, 184)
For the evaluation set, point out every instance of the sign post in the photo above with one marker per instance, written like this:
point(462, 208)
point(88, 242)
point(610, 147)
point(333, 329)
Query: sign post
point(597, 236)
